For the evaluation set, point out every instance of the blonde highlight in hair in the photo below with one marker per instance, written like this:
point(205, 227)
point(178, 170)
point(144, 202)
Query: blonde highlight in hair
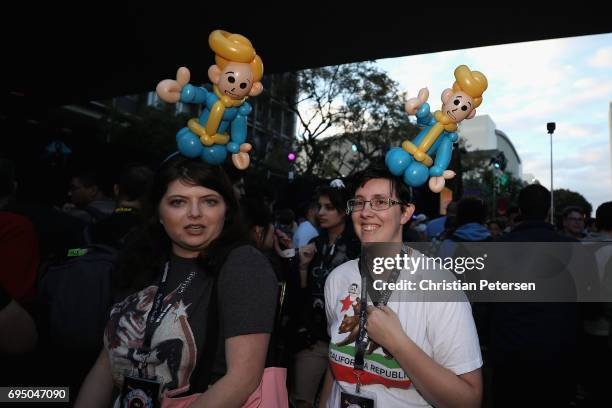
point(473, 83)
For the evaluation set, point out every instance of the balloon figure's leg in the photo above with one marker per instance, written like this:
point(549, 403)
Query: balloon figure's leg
point(188, 143)
point(401, 163)
point(214, 154)
point(416, 174)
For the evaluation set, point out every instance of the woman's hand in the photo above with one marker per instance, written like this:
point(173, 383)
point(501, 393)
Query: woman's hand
point(306, 255)
point(383, 326)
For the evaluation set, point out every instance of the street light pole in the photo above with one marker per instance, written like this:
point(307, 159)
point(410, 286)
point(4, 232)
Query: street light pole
point(550, 126)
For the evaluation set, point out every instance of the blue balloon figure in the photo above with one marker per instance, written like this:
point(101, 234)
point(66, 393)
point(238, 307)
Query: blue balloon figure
point(416, 173)
point(222, 126)
point(428, 156)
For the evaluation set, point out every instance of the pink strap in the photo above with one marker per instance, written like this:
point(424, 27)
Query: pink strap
point(271, 393)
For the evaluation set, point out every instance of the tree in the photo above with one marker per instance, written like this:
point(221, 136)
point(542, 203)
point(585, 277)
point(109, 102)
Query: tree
point(488, 183)
point(359, 104)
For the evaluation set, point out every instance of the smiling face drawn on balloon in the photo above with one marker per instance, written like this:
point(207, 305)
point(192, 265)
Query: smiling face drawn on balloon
point(457, 105)
point(235, 80)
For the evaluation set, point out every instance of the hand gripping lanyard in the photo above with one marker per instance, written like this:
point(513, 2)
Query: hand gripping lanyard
point(360, 343)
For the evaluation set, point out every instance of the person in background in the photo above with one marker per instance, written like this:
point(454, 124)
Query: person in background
point(596, 342)
point(535, 342)
point(131, 192)
point(334, 246)
point(307, 230)
point(471, 213)
point(88, 199)
point(18, 242)
point(573, 222)
point(285, 221)
point(496, 227)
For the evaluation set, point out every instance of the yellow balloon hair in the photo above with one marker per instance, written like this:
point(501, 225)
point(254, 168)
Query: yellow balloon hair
point(473, 83)
point(230, 47)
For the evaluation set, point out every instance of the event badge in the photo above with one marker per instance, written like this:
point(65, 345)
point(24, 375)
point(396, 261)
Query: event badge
point(139, 392)
point(362, 400)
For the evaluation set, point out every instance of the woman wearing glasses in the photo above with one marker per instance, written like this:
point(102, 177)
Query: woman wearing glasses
point(416, 354)
point(335, 245)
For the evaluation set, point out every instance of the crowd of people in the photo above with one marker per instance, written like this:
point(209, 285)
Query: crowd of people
point(175, 282)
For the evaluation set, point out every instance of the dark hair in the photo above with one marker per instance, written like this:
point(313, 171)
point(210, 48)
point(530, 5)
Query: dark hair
point(603, 216)
point(149, 247)
point(90, 176)
point(534, 202)
point(337, 196)
point(573, 208)
point(286, 216)
point(135, 182)
point(471, 209)
point(306, 207)
point(497, 221)
point(401, 190)
point(255, 213)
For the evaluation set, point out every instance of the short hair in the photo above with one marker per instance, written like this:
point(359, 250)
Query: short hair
point(603, 216)
point(499, 222)
point(572, 208)
point(534, 202)
point(401, 190)
point(89, 177)
point(471, 209)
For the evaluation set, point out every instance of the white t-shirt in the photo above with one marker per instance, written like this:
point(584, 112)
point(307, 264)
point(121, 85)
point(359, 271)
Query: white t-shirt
point(445, 331)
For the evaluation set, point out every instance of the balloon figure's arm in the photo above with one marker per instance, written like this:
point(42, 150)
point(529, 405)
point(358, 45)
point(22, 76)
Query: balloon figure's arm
point(238, 131)
point(194, 94)
point(424, 116)
point(443, 154)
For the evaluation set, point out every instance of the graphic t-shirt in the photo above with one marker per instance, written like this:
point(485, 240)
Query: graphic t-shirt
point(247, 294)
point(445, 331)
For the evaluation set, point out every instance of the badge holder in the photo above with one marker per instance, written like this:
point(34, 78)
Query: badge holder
point(138, 392)
point(358, 399)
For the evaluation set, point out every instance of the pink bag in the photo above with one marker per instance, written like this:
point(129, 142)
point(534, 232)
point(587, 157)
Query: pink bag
point(271, 393)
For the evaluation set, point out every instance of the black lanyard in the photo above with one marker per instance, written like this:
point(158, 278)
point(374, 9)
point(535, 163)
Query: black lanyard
point(360, 343)
point(156, 315)
point(328, 255)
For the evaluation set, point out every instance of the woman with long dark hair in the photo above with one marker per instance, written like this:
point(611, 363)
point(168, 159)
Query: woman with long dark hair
point(200, 305)
point(335, 245)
